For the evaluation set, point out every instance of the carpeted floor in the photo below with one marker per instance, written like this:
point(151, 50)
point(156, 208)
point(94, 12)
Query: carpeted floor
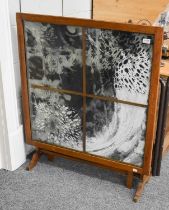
point(69, 185)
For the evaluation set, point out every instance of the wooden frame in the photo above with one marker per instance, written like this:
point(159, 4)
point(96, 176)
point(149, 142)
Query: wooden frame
point(157, 32)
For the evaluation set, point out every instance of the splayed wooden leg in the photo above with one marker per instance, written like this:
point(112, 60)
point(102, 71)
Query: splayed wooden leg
point(35, 158)
point(140, 188)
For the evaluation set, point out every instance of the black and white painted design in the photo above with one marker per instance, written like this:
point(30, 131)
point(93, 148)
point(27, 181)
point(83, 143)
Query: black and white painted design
point(118, 64)
point(116, 131)
point(54, 55)
point(56, 118)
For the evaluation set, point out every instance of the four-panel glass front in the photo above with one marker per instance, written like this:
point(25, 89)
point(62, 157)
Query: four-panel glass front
point(108, 117)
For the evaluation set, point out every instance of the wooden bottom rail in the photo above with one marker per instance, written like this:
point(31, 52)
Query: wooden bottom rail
point(130, 175)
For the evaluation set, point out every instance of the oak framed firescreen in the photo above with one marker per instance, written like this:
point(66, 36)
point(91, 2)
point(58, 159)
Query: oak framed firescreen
point(90, 88)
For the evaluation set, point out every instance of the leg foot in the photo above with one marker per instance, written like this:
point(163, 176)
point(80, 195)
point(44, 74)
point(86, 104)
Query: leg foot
point(140, 188)
point(34, 160)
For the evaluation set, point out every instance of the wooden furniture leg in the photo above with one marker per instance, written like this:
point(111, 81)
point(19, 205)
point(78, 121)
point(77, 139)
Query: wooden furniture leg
point(129, 182)
point(35, 158)
point(140, 188)
point(50, 157)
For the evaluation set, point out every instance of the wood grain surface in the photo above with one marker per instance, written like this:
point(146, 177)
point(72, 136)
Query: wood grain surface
point(125, 10)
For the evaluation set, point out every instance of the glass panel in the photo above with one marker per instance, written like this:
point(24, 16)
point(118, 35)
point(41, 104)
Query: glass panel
point(115, 131)
point(54, 55)
point(118, 64)
point(56, 118)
